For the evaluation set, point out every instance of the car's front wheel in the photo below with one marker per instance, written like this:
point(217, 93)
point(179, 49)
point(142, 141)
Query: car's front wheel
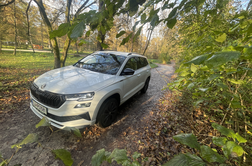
point(146, 85)
point(107, 113)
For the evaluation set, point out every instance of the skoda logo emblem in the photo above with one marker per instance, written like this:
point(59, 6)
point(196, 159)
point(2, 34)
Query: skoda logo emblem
point(43, 86)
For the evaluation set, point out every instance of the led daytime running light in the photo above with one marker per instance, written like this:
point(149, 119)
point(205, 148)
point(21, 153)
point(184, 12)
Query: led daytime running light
point(80, 97)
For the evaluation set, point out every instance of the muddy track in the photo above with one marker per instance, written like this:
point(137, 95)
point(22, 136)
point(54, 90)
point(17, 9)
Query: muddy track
point(132, 115)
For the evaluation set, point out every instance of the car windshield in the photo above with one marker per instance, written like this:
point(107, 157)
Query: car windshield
point(102, 63)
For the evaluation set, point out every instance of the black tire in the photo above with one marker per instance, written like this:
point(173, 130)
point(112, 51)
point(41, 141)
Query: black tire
point(107, 113)
point(146, 85)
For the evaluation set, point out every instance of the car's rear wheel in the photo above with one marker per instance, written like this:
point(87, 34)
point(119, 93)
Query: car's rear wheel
point(146, 85)
point(107, 113)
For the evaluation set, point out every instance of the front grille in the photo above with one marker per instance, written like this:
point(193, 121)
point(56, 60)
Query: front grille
point(48, 98)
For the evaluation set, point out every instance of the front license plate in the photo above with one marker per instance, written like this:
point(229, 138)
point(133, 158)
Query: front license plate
point(39, 107)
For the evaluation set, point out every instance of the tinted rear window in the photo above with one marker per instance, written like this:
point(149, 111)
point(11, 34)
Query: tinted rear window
point(141, 62)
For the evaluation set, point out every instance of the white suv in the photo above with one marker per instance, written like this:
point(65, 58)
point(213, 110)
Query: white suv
point(91, 90)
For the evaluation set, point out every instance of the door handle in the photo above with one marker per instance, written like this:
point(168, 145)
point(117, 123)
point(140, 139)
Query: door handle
point(138, 75)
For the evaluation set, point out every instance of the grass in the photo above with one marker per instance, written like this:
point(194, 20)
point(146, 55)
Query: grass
point(153, 61)
point(159, 61)
point(30, 60)
point(153, 65)
point(17, 72)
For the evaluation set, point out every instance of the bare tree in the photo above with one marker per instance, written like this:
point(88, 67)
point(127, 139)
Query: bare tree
point(15, 28)
point(59, 62)
point(148, 39)
point(28, 25)
point(0, 42)
point(68, 40)
point(49, 29)
point(42, 35)
point(67, 18)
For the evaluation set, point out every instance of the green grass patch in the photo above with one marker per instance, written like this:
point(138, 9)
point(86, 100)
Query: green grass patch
point(29, 60)
point(17, 72)
point(23, 67)
point(155, 61)
point(159, 61)
point(153, 65)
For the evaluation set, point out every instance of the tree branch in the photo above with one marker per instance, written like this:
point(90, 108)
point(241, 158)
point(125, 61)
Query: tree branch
point(43, 14)
point(148, 40)
point(56, 17)
point(82, 6)
point(7, 3)
point(249, 4)
point(28, 25)
point(87, 6)
point(67, 13)
point(27, 16)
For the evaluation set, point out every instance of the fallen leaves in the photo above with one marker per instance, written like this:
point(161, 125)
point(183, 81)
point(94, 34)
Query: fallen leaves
point(92, 132)
point(171, 117)
point(154, 139)
point(14, 89)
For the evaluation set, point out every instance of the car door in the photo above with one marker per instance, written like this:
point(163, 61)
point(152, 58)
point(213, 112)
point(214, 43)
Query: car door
point(130, 82)
point(142, 71)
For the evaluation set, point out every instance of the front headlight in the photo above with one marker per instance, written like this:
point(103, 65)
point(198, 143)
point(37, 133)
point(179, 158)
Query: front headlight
point(80, 97)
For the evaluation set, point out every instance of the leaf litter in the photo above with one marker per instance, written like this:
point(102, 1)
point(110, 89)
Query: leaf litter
point(153, 137)
point(14, 89)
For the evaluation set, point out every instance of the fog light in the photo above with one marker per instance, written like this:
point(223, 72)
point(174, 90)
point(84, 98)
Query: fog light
point(83, 105)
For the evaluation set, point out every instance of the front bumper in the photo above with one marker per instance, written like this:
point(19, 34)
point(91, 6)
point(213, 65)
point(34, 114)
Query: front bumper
point(68, 122)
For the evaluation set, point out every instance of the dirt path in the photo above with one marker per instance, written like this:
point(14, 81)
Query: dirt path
point(133, 113)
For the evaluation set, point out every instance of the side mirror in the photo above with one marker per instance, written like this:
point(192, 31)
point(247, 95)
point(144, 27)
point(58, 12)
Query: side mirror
point(127, 71)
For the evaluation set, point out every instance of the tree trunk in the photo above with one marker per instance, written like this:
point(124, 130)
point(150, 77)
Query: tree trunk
point(148, 40)
point(56, 53)
point(68, 40)
point(1, 43)
point(50, 44)
point(132, 44)
point(141, 39)
point(100, 35)
point(65, 50)
point(49, 28)
point(116, 44)
point(28, 26)
point(30, 38)
point(15, 29)
point(76, 45)
point(42, 35)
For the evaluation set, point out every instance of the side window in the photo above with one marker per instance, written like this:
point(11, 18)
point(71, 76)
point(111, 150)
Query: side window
point(144, 61)
point(132, 64)
point(139, 65)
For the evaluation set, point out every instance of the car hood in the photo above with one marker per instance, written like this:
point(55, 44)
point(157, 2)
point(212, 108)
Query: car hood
point(70, 80)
